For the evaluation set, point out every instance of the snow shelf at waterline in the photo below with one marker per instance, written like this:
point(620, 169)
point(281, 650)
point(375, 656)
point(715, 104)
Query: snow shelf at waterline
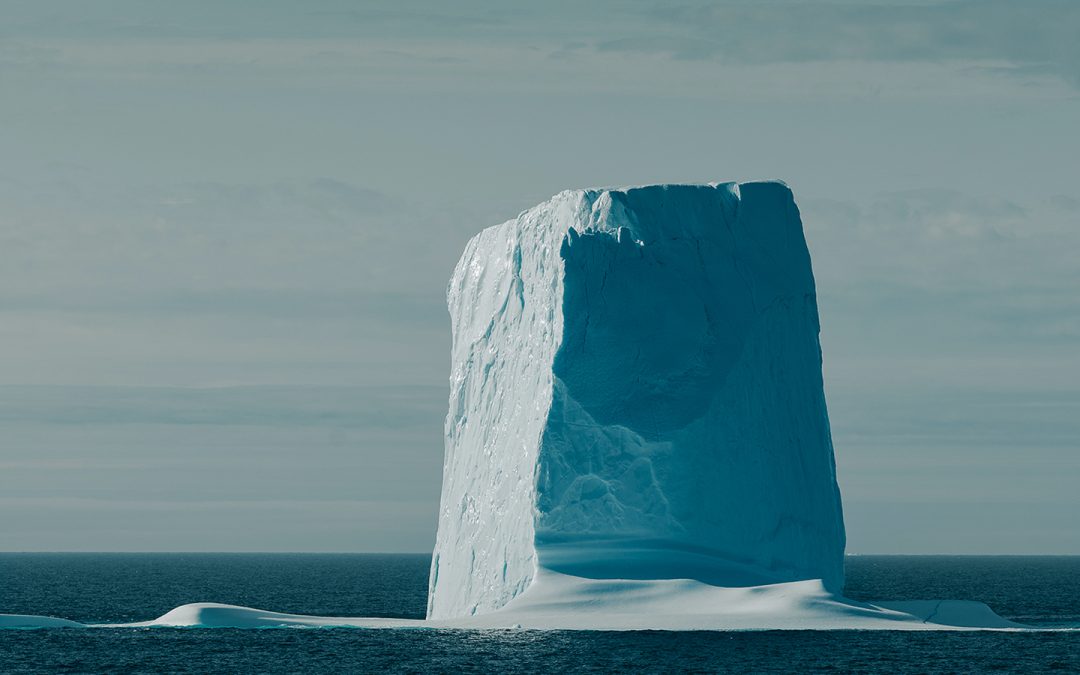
point(561, 602)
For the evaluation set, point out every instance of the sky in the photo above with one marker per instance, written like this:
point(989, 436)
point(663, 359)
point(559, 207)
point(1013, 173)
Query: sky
point(226, 231)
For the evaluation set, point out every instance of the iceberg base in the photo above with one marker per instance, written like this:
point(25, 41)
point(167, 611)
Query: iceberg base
point(562, 602)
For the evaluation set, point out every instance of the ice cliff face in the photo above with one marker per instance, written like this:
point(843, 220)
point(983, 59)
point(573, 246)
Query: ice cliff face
point(636, 393)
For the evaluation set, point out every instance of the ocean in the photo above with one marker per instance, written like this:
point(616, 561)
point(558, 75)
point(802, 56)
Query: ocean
point(112, 587)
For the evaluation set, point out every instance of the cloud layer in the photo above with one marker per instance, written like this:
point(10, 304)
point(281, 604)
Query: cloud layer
point(224, 233)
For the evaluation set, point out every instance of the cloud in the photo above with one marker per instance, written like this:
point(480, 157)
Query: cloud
point(969, 272)
point(361, 462)
point(310, 281)
point(941, 213)
point(199, 194)
point(1065, 203)
point(76, 232)
point(321, 199)
point(481, 45)
point(405, 310)
point(1030, 37)
point(208, 19)
point(910, 225)
point(398, 409)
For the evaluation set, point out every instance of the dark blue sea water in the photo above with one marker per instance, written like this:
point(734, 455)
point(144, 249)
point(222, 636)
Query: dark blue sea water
point(1043, 591)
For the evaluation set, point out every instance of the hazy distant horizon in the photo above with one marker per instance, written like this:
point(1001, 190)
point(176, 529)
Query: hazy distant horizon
point(228, 230)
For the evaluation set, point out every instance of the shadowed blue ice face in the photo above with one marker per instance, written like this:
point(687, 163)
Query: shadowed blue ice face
point(688, 436)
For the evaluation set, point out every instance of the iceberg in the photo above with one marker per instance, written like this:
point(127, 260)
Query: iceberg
point(637, 435)
point(636, 393)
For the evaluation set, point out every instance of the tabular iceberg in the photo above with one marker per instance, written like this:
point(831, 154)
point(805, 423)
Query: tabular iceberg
point(636, 393)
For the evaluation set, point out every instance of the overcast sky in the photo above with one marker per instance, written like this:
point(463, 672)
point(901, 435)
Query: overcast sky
point(226, 230)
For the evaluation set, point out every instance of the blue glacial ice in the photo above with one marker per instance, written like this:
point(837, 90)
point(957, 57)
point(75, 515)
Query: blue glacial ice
point(636, 393)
